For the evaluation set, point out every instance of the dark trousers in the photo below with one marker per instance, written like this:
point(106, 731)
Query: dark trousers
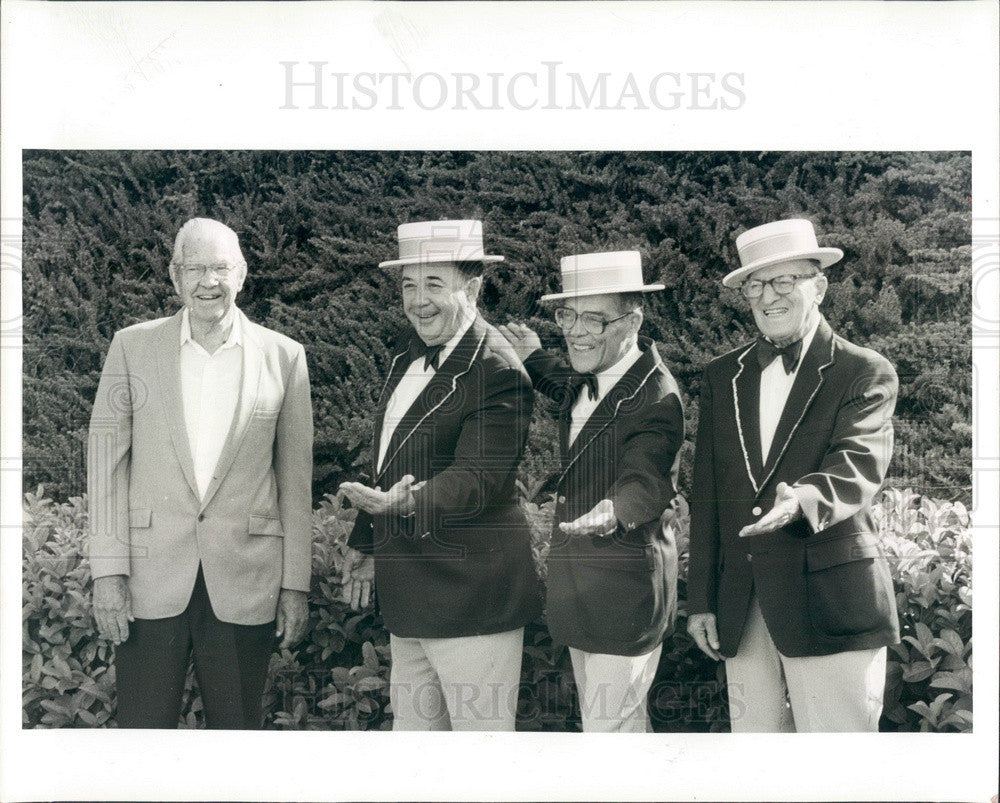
point(230, 664)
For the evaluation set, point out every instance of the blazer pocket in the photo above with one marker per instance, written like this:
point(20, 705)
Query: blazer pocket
point(140, 517)
point(265, 525)
point(836, 551)
point(643, 561)
point(846, 594)
point(615, 600)
point(260, 412)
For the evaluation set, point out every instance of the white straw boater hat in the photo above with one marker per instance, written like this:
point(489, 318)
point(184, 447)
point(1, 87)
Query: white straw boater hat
point(777, 242)
point(597, 274)
point(432, 241)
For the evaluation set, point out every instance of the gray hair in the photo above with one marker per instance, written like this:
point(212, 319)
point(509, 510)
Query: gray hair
point(202, 228)
point(630, 302)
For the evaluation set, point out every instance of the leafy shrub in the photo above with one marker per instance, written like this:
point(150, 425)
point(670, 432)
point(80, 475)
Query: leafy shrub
point(337, 677)
point(929, 678)
point(68, 673)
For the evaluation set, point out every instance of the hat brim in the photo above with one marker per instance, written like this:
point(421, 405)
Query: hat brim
point(604, 291)
point(825, 256)
point(430, 260)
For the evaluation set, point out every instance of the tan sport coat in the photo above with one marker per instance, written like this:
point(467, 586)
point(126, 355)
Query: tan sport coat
point(252, 530)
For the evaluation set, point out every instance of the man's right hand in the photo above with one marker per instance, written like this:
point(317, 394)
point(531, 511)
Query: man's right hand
point(357, 575)
point(523, 339)
point(701, 627)
point(112, 607)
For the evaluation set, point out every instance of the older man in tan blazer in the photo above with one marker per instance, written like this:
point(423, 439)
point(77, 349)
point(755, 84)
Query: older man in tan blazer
point(199, 473)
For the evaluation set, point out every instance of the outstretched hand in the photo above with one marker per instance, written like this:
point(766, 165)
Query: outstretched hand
point(523, 339)
point(398, 499)
point(599, 520)
point(786, 510)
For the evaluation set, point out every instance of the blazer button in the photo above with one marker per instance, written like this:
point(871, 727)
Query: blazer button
point(756, 511)
point(562, 500)
point(201, 517)
point(750, 557)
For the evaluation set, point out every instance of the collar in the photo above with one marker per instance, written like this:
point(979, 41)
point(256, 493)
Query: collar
point(449, 347)
point(807, 340)
point(609, 377)
point(235, 333)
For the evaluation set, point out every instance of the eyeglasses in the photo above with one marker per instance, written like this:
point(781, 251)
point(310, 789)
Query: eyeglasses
point(222, 270)
point(782, 285)
point(593, 322)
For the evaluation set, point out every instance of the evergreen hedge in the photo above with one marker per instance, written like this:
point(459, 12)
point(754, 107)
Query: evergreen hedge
point(99, 228)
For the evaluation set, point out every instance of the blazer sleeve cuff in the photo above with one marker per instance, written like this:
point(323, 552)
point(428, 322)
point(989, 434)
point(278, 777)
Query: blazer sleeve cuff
point(814, 509)
point(107, 558)
point(362, 536)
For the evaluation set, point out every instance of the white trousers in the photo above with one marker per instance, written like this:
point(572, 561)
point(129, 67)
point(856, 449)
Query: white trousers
point(772, 693)
point(613, 689)
point(462, 684)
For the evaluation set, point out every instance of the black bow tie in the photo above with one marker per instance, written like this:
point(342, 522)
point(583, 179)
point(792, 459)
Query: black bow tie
point(589, 381)
point(431, 354)
point(767, 351)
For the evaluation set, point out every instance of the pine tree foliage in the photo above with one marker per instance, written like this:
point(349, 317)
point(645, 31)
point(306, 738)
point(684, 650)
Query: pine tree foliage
point(99, 228)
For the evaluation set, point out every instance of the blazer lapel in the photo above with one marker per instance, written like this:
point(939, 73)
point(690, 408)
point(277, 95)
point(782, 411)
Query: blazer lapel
point(746, 404)
point(807, 383)
point(437, 391)
point(253, 359)
point(168, 368)
point(396, 370)
point(565, 422)
point(604, 415)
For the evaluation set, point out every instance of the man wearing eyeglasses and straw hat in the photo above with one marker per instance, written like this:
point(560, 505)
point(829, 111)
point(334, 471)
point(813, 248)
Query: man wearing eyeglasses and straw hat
point(612, 565)
point(787, 579)
point(452, 564)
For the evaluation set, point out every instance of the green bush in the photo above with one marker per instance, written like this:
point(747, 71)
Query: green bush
point(337, 678)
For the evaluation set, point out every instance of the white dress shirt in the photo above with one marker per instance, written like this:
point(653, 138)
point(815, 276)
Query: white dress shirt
point(410, 386)
point(210, 389)
point(775, 385)
point(584, 406)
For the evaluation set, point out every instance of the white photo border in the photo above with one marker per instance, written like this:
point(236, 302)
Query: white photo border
point(815, 76)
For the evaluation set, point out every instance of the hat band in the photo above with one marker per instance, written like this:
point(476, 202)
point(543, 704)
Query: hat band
point(785, 243)
point(606, 278)
point(457, 249)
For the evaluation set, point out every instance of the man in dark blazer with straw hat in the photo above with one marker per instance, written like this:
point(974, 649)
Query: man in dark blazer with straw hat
point(453, 569)
point(787, 579)
point(612, 565)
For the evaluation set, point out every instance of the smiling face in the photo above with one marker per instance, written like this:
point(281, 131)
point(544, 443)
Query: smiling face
point(589, 353)
point(207, 292)
point(785, 319)
point(437, 299)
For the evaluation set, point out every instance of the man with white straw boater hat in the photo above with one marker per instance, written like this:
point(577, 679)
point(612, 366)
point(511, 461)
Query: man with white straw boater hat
point(787, 580)
point(453, 569)
point(612, 565)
